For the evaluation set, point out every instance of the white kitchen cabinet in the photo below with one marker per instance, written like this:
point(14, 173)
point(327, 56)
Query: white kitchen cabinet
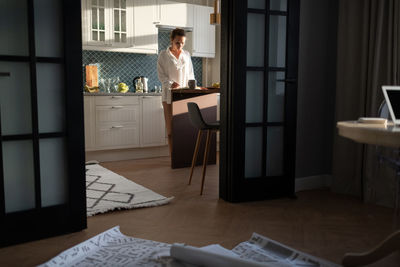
point(176, 14)
point(145, 14)
point(153, 123)
point(121, 122)
point(107, 24)
point(203, 36)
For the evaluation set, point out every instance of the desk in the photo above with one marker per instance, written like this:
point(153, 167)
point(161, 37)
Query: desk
point(379, 135)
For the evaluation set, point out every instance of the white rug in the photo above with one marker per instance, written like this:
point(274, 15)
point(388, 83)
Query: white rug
point(107, 191)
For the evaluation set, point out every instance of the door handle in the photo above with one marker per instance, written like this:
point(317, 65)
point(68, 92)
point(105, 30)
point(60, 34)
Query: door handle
point(287, 80)
point(114, 96)
point(117, 127)
point(115, 107)
point(5, 74)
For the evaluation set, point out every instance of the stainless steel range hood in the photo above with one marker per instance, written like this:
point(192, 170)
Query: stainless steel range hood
point(162, 27)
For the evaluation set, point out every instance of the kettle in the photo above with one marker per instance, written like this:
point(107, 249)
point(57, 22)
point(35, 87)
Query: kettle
point(144, 81)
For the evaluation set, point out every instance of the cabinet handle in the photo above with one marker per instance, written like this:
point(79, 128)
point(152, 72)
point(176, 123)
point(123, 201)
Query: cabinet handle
point(115, 107)
point(146, 96)
point(5, 74)
point(156, 22)
point(115, 96)
point(117, 127)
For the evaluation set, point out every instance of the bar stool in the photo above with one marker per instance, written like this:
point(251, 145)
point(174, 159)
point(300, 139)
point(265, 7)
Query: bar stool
point(197, 120)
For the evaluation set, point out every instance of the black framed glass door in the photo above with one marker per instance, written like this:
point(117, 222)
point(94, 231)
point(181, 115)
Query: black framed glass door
point(258, 101)
point(42, 172)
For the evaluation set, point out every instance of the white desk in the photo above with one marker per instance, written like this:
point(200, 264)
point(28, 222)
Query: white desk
point(379, 135)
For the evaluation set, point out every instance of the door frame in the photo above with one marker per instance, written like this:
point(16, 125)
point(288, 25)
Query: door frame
point(233, 186)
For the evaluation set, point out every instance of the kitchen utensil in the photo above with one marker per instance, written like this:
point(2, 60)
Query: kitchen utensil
point(144, 80)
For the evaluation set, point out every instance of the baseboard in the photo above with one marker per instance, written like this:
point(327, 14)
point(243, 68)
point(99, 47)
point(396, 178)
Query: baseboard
point(313, 182)
point(127, 154)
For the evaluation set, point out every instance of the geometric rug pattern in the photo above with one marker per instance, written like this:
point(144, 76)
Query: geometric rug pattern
point(108, 191)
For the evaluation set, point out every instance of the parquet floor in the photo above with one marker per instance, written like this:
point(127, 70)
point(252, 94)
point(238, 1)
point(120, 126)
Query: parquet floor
point(319, 222)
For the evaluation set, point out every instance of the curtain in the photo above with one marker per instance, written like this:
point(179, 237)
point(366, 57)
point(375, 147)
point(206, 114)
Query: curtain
point(368, 56)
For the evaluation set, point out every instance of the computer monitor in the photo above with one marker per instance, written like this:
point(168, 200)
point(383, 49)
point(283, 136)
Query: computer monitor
point(392, 97)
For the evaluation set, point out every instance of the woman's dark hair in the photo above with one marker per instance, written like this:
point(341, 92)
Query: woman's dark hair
point(177, 32)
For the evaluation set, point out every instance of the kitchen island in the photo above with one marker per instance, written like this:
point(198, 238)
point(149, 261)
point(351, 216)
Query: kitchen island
point(183, 133)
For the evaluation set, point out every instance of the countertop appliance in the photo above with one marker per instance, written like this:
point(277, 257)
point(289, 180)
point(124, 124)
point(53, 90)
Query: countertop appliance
point(144, 81)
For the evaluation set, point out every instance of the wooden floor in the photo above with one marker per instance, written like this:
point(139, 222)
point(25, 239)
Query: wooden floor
point(318, 222)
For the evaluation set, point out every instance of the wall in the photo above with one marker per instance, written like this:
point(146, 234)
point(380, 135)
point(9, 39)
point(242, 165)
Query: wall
point(316, 87)
point(127, 66)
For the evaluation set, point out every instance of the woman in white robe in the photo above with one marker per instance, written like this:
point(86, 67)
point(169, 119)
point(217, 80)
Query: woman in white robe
point(174, 69)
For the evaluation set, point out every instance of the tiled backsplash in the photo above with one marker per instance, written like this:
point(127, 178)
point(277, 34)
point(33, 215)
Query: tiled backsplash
point(127, 66)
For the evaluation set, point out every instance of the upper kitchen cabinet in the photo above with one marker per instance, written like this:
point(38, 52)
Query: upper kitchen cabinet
point(145, 15)
point(107, 24)
point(120, 25)
point(176, 14)
point(203, 36)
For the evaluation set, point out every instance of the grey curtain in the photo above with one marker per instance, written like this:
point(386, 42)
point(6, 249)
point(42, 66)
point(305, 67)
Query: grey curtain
point(368, 57)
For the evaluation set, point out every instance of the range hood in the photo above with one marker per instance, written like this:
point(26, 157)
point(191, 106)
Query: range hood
point(163, 27)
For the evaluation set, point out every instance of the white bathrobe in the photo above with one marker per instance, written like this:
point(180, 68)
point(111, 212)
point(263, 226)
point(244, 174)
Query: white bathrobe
point(170, 70)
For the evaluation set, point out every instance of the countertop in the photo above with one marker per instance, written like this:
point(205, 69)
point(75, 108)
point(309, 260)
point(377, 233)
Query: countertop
point(121, 94)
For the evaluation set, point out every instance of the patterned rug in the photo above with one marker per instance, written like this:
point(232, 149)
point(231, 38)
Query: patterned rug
point(107, 191)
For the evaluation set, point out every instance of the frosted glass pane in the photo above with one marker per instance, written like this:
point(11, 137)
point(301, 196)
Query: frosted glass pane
point(48, 28)
point(14, 28)
point(102, 36)
point(255, 39)
point(274, 151)
point(277, 41)
point(51, 97)
point(280, 5)
point(254, 96)
point(253, 152)
point(116, 20)
point(258, 4)
point(123, 38)
point(276, 97)
point(123, 21)
point(15, 99)
point(116, 37)
point(94, 36)
point(94, 19)
point(101, 19)
point(123, 3)
point(116, 3)
point(53, 172)
point(19, 181)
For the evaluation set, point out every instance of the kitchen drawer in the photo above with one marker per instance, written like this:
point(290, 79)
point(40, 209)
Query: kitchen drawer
point(117, 136)
point(116, 100)
point(117, 113)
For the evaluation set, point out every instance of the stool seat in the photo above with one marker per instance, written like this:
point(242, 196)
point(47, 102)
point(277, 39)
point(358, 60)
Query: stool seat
point(198, 122)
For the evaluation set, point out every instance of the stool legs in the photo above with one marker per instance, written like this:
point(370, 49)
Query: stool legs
point(196, 151)
point(205, 159)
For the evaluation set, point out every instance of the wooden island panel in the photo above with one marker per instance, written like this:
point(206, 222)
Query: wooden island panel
point(184, 134)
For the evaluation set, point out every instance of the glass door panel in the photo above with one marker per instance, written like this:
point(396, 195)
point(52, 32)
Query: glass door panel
point(19, 182)
point(14, 40)
point(277, 41)
point(120, 22)
point(255, 39)
point(274, 151)
point(98, 21)
point(256, 4)
point(278, 5)
point(276, 96)
point(48, 28)
point(15, 98)
point(254, 96)
point(253, 152)
point(53, 171)
point(51, 100)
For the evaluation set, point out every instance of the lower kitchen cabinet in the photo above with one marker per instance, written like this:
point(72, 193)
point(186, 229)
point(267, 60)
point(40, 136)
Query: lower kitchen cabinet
point(123, 122)
point(153, 123)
